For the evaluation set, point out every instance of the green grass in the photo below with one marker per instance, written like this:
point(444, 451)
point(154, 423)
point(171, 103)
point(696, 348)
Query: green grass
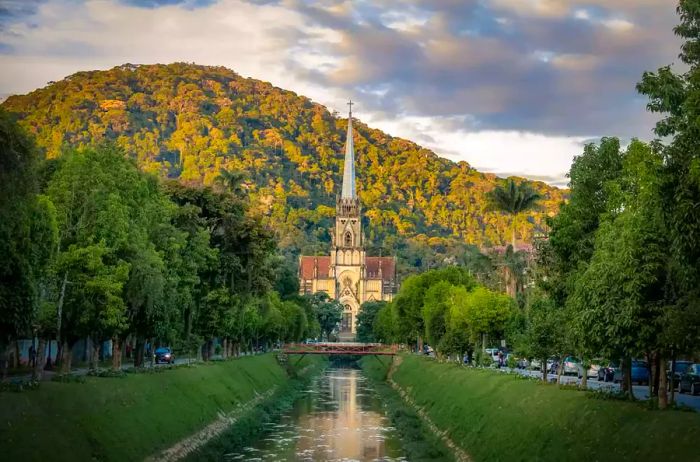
point(417, 441)
point(128, 418)
point(495, 417)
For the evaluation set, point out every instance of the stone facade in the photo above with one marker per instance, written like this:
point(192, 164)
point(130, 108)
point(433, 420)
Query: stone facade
point(348, 274)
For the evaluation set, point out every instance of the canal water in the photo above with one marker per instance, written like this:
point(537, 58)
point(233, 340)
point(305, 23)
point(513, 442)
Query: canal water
point(339, 418)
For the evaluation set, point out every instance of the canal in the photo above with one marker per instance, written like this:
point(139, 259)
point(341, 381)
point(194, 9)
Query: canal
point(339, 418)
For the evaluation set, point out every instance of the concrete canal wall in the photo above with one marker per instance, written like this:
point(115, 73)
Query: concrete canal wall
point(138, 416)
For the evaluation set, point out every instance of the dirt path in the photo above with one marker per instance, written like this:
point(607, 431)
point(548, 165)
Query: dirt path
point(459, 453)
point(179, 450)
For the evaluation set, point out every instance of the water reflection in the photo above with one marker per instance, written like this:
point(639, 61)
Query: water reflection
point(339, 419)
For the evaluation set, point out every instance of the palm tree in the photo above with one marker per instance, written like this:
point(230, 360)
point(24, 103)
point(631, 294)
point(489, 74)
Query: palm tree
point(233, 181)
point(513, 199)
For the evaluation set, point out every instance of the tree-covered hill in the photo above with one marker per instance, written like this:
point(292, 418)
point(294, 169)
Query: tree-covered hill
point(188, 122)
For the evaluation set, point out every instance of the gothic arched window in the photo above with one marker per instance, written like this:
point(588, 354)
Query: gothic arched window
point(348, 239)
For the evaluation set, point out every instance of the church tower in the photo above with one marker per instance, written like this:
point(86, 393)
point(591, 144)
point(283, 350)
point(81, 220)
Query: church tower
point(347, 274)
point(347, 251)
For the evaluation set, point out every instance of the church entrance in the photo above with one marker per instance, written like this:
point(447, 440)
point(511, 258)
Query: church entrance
point(346, 321)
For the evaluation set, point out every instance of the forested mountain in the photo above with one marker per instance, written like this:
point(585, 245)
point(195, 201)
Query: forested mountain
point(188, 122)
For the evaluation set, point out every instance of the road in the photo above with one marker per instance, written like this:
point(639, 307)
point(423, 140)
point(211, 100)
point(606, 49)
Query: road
point(640, 391)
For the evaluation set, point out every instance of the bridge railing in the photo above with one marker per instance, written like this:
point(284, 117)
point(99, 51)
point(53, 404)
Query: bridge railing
point(339, 348)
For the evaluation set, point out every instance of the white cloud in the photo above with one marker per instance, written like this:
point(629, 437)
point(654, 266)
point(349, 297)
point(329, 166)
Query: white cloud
point(501, 152)
point(281, 43)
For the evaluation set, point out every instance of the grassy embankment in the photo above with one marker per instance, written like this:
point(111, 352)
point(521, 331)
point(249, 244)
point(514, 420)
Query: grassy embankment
point(419, 443)
point(136, 416)
point(495, 417)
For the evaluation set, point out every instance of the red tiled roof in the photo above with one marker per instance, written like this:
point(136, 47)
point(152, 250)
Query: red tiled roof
point(307, 264)
point(388, 265)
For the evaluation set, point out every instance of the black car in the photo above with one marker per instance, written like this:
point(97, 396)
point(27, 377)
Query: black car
point(681, 366)
point(690, 380)
point(164, 355)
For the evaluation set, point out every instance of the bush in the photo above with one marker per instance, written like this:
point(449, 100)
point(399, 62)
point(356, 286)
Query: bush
point(106, 373)
point(18, 386)
point(68, 378)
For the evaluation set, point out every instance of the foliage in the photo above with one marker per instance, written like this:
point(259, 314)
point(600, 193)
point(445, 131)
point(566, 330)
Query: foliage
point(194, 122)
point(328, 311)
point(513, 199)
point(365, 320)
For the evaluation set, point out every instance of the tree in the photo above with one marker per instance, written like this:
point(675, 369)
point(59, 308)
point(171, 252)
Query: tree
point(28, 235)
point(328, 311)
point(618, 301)
point(677, 98)
point(543, 329)
point(435, 313)
point(366, 319)
point(513, 199)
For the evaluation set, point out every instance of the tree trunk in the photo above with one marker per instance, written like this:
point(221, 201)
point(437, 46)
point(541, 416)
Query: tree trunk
point(663, 393)
point(584, 377)
point(95, 355)
point(138, 353)
point(224, 348)
point(66, 357)
point(513, 229)
point(627, 377)
point(116, 354)
point(210, 350)
point(59, 317)
point(543, 368)
point(673, 382)
point(38, 370)
point(652, 370)
point(15, 356)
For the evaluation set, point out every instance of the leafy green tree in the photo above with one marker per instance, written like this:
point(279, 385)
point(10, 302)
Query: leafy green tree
point(676, 97)
point(366, 319)
point(619, 299)
point(435, 313)
point(481, 313)
point(28, 234)
point(328, 312)
point(542, 335)
point(513, 199)
point(384, 326)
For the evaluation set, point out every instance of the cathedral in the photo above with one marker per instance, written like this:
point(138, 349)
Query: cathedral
point(347, 274)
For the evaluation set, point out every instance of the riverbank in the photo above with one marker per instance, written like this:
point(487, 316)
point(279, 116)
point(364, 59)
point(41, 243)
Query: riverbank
point(136, 416)
point(494, 417)
point(417, 440)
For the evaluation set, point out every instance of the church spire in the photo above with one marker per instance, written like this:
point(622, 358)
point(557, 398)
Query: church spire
point(348, 191)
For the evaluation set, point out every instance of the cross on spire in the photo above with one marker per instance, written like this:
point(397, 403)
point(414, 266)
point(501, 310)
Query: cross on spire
point(350, 103)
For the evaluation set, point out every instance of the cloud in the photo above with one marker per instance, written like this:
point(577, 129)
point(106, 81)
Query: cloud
point(508, 85)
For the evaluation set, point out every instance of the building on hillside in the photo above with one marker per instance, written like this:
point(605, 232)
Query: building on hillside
point(347, 274)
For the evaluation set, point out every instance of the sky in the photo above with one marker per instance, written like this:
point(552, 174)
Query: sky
point(514, 87)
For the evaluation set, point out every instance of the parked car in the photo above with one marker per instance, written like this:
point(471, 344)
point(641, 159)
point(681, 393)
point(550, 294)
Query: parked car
point(493, 353)
point(607, 372)
point(164, 355)
point(681, 366)
point(690, 380)
point(594, 368)
point(640, 373)
point(572, 366)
